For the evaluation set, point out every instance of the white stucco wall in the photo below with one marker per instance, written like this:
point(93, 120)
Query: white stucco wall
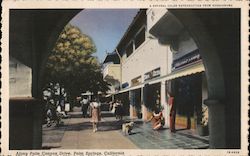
point(112, 75)
point(112, 70)
point(20, 79)
point(153, 15)
point(149, 56)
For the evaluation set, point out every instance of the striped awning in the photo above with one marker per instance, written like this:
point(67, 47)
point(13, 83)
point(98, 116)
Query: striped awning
point(196, 68)
point(192, 69)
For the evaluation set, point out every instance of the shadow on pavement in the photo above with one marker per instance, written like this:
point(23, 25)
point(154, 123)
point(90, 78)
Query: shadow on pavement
point(133, 133)
point(103, 126)
point(76, 116)
point(107, 114)
point(110, 125)
point(202, 139)
point(50, 147)
point(182, 129)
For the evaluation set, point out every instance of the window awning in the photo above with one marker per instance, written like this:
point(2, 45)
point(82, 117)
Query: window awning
point(192, 69)
point(131, 88)
point(196, 68)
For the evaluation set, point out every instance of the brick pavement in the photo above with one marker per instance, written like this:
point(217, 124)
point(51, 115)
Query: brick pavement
point(76, 133)
point(146, 138)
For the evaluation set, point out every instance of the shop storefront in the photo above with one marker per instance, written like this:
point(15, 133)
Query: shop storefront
point(152, 93)
point(135, 103)
point(188, 100)
point(189, 89)
point(124, 98)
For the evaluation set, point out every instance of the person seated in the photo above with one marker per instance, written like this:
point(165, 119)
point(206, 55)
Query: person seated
point(157, 120)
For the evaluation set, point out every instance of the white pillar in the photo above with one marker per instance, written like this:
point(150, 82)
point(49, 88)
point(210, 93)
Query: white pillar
point(164, 103)
point(143, 107)
point(131, 107)
point(144, 113)
point(131, 111)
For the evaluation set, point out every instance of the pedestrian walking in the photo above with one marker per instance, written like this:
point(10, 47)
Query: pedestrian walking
point(96, 114)
point(114, 106)
point(49, 117)
point(84, 104)
point(119, 110)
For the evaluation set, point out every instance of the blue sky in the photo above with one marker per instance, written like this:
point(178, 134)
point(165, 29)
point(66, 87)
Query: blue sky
point(105, 26)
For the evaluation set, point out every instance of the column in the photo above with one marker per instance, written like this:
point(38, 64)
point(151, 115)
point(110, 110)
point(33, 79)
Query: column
point(131, 104)
point(216, 123)
point(37, 124)
point(164, 103)
point(143, 107)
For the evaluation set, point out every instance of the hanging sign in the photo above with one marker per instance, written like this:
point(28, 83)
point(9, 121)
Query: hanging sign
point(136, 81)
point(125, 85)
point(191, 57)
point(152, 74)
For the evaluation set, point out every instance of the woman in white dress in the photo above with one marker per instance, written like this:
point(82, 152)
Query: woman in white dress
point(96, 114)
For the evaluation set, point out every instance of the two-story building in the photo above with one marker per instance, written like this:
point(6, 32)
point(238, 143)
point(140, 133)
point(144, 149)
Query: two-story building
point(143, 64)
point(150, 70)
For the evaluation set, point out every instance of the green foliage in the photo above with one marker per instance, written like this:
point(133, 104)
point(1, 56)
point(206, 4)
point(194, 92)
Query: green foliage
point(72, 64)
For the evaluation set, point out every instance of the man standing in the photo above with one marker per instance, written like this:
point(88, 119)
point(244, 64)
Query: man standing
point(85, 105)
point(172, 113)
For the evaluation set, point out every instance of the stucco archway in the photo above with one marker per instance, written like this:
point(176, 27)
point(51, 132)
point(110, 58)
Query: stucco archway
point(32, 35)
point(217, 35)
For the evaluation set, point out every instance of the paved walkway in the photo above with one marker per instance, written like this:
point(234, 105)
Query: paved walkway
point(76, 133)
point(146, 138)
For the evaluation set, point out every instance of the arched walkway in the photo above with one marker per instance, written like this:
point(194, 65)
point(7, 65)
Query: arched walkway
point(217, 35)
point(32, 35)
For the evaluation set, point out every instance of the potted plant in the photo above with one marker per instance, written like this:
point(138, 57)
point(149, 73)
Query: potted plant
point(203, 126)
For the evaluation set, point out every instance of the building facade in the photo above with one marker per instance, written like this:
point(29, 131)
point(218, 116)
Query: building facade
point(151, 71)
point(186, 81)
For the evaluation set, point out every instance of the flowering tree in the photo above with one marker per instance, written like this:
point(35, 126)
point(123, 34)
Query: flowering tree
point(72, 64)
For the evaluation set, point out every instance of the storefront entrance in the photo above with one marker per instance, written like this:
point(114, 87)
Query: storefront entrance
point(152, 93)
point(135, 101)
point(188, 100)
point(124, 97)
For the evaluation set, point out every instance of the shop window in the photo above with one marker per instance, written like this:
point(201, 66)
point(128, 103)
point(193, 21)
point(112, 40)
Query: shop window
point(188, 97)
point(151, 94)
point(129, 49)
point(140, 38)
point(125, 101)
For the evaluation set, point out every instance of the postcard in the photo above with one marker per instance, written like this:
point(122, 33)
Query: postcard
point(124, 77)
